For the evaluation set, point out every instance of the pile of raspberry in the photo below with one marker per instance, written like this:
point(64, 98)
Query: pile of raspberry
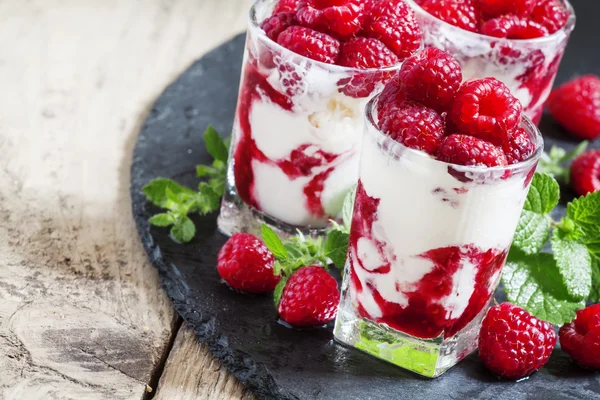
point(427, 107)
point(512, 19)
point(350, 33)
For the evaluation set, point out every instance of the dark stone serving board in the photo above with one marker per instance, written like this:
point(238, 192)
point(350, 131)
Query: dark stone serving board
point(241, 331)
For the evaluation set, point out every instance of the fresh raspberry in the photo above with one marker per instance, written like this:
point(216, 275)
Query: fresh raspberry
point(278, 23)
point(310, 43)
point(340, 18)
point(469, 150)
point(285, 6)
point(415, 126)
point(513, 27)
point(551, 14)
point(362, 52)
point(580, 338)
point(485, 108)
point(518, 147)
point(310, 297)
point(431, 77)
point(246, 264)
point(391, 96)
point(496, 8)
point(394, 23)
point(576, 106)
point(460, 13)
point(585, 172)
point(513, 343)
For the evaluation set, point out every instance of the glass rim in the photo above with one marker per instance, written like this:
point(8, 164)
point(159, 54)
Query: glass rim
point(255, 25)
point(526, 123)
point(565, 30)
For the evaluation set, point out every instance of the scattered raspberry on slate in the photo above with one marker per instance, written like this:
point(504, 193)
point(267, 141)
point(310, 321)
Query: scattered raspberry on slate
point(246, 264)
point(415, 126)
point(340, 18)
point(580, 338)
point(277, 23)
point(391, 96)
point(485, 108)
point(363, 52)
point(551, 14)
point(469, 150)
point(576, 106)
point(310, 297)
point(513, 27)
point(431, 77)
point(496, 8)
point(518, 147)
point(394, 23)
point(513, 343)
point(585, 172)
point(460, 13)
point(285, 6)
point(310, 43)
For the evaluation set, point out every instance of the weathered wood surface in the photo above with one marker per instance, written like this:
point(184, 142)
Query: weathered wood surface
point(82, 315)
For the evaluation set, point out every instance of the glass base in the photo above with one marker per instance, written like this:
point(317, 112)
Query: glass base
point(426, 357)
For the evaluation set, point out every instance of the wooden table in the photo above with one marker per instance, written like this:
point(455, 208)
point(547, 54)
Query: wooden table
point(82, 315)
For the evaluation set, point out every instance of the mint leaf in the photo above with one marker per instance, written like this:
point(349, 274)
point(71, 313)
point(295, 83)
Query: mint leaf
point(553, 163)
point(156, 190)
point(206, 198)
point(336, 248)
point(205, 170)
point(348, 208)
point(534, 283)
point(215, 144)
point(543, 194)
point(532, 232)
point(273, 242)
point(585, 213)
point(576, 152)
point(183, 230)
point(595, 292)
point(163, 219)
point(574, 265)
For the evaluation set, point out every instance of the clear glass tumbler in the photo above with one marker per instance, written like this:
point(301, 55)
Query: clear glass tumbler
point(527, 67)
point(427, 245)
point(296, 136)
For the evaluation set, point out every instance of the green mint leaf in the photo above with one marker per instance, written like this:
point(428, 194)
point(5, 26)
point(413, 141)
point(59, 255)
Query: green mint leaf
point(543, 194)
point(567, 229)
point(183, 230)
point(279, 291)
point(227, 142)
point(336, 248)
point(217, 185)
point(156, 190)
point(532, 232)
point(534, 283)
point(273, 242)
point(573, 154)
point(595, 292)
point(172, 196)
point(215, 144)
point(348, 208)
point(164, 219)
point(574, 265)
point(206, 198)
point(585, 213)
point(205, 170)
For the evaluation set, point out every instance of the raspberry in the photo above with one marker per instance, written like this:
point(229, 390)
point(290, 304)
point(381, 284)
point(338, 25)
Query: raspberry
point(513, 27)
point(485, 108)
point(285, 6)
point(460, 13)
point(513, 343)
point(310, 297)
point(340, 18)
point(580, 338)
point(310, 43)
point(391, 96)
point(551, 14)
point(415, 126)
point(496, 8)
point(431, 77)
point(394, 23)
point(246, 264)
point(576, 106)
point(362, 52)
point(518, 147)
point(278, 23)
point(585, 172)
point(469, 150)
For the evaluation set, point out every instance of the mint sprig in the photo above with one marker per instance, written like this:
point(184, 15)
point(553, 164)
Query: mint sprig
point(181, 201)
point(554, 162)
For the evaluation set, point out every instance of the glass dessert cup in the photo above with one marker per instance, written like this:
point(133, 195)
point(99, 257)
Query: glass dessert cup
point(528, 67)
point(296, 136)
point(427, 246)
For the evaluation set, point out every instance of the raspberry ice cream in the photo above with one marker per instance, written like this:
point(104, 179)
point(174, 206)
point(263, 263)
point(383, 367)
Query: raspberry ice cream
point(308, 73)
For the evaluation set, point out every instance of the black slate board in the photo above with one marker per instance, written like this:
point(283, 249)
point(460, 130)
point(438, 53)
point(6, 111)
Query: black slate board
point(242, 331)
